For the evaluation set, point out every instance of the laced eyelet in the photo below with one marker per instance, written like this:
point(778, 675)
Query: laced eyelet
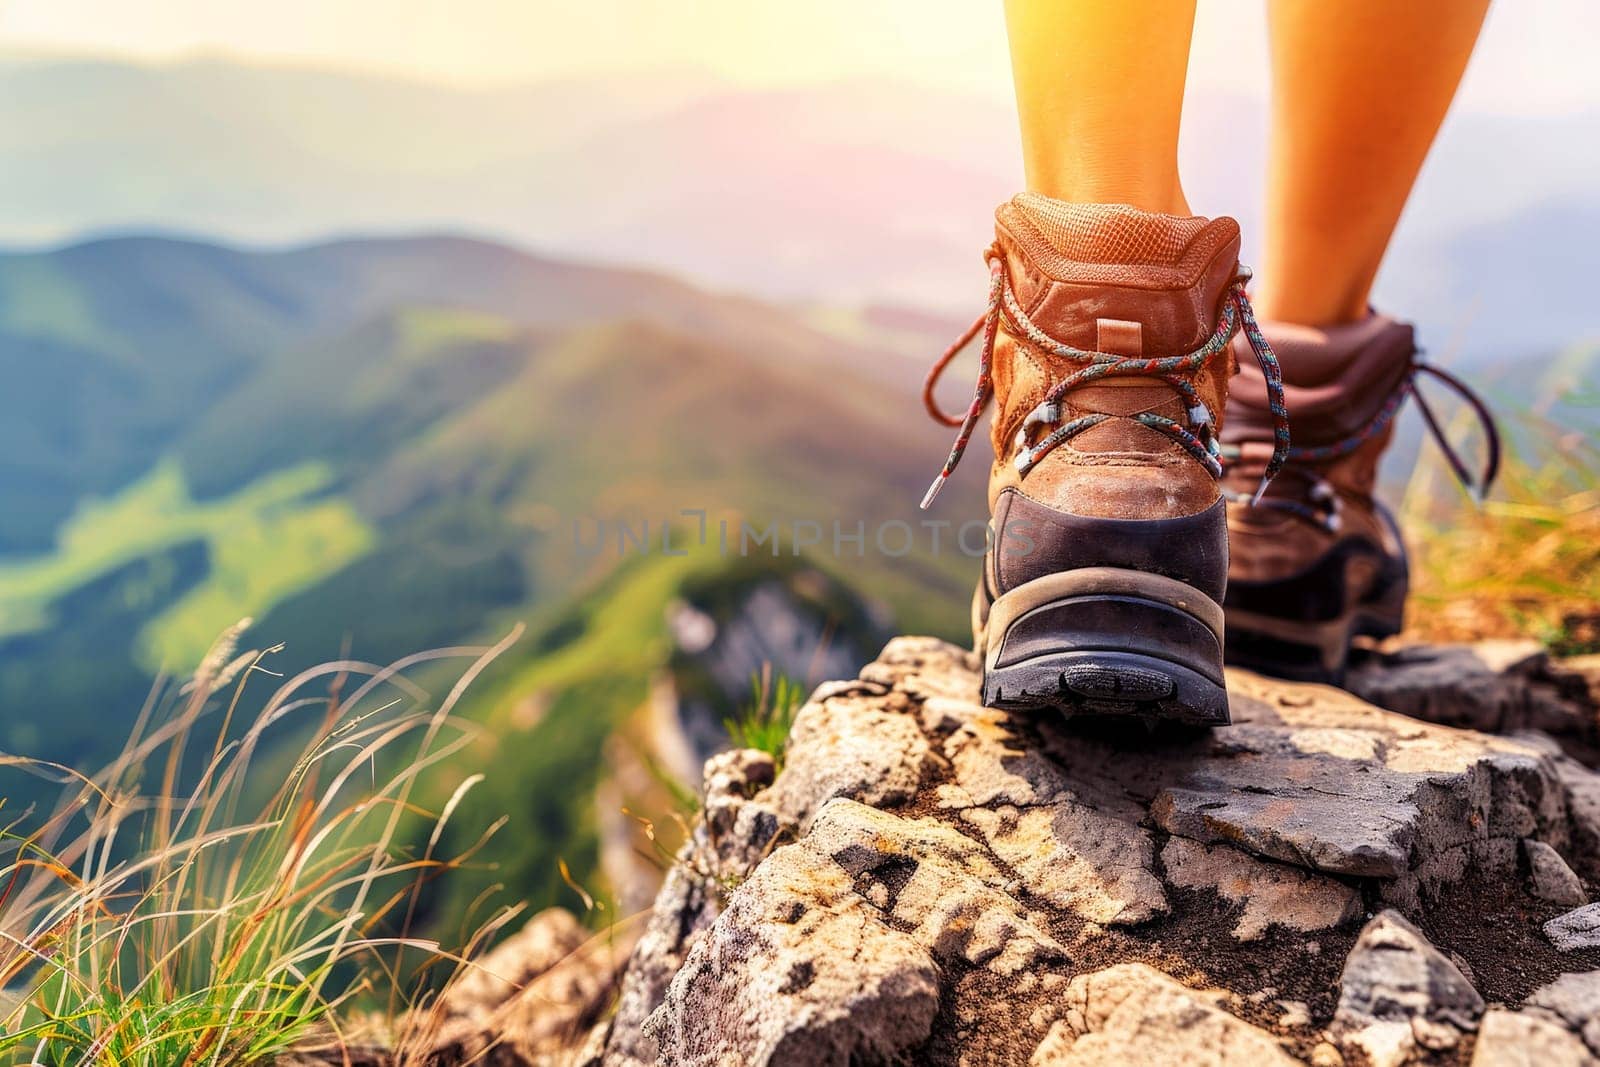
point(1198, 439)
point(1048, 411)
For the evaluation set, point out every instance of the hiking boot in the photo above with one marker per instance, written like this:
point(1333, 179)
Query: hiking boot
point(1318, 560)
point(1105, 348)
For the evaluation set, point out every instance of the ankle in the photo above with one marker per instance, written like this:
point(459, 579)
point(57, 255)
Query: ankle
point(1154, 190)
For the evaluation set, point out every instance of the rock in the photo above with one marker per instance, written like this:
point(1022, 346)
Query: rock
point(930, 881)
point(1582, 786)
point(1494, 686)
point(1325, 1054)
point(1583, 796)
point(847, 747)
point(544, 941)
point(1296, 1014)
point(1132, 1013)
point(1272, 894)
point(739, 832)
point(1558, 1027)
point(1518, 1039)
point(935, 883)
point(1324, 781)
point(797, 969)
point(1073, 845)
point(1054, 1048)
point(1075, 859)
point(729, 778)
point(1398, 994)
point(865, 897)
point(733, 836)
point(1551, 879)
point(1577, 929)
point(1574, 1000)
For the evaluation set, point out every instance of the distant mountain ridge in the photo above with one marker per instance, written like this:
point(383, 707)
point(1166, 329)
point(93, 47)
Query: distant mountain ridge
point(853, 192)
point(113, 346)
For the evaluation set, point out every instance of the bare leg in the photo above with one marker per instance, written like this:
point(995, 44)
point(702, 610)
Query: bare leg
point(1359, 90)
point(1100, 93)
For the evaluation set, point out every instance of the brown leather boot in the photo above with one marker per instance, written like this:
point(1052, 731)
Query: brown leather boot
point(1106, 350)
point(1318, 560)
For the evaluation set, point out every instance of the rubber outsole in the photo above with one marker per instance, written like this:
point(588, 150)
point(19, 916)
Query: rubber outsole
point(1108, 684)
point(1107, 642)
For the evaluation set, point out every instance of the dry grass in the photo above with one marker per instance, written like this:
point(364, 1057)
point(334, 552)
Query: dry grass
point(166, 916)
point(1524, 564)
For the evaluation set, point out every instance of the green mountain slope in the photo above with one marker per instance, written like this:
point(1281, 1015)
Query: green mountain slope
point(111, 349)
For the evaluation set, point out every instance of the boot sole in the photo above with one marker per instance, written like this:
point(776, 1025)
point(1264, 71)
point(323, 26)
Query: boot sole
point(1107, 641)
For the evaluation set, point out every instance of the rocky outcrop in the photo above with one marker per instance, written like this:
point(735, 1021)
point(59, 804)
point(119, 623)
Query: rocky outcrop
point(733, 836)
point(930, 881)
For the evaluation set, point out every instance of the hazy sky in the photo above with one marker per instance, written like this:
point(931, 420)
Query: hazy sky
point(1535, 57)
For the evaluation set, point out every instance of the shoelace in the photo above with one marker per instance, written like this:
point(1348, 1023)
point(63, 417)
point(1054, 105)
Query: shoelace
point(1177, 371)
point(1321, 491)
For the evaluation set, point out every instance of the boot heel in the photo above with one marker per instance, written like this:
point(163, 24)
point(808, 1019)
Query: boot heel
point(1107, 641)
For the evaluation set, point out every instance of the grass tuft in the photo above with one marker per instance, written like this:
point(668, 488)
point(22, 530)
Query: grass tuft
point(174, 911)
point(764, 723)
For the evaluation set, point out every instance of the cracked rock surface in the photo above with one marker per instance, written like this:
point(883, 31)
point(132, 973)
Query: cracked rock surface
point(1492, 686)
point(1325, 882)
